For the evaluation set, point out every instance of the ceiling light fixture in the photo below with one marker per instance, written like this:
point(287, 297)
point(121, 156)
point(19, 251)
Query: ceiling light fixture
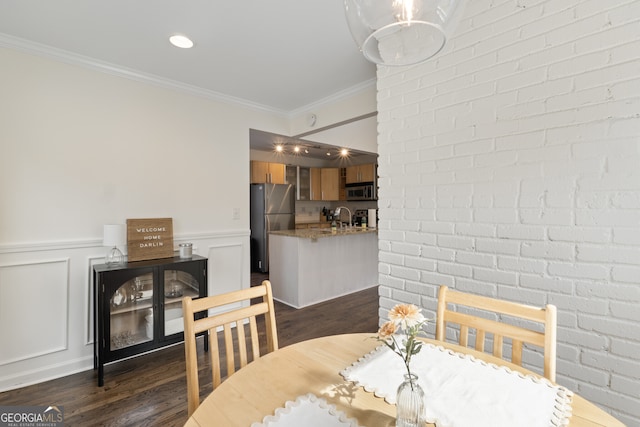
point(178, 40)
point(279, 148)
point(401, 32)
point(296, 149)
point(344, 152)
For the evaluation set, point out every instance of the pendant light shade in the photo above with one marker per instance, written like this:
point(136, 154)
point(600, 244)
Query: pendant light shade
point(401, 32)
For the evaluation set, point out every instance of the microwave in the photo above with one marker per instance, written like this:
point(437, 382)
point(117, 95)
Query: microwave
point(361, 191)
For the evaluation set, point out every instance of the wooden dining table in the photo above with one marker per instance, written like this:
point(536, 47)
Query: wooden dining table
point(314, 366)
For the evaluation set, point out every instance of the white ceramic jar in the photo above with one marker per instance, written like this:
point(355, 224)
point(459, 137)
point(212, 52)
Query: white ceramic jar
point(186, 250)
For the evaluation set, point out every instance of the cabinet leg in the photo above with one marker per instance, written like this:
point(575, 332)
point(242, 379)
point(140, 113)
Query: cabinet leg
point(100, 375)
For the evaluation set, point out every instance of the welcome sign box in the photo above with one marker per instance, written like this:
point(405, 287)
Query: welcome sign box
point(149, 238)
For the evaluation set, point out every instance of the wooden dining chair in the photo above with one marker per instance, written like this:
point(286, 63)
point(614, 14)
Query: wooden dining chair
point(486, 315)
point(230, 312)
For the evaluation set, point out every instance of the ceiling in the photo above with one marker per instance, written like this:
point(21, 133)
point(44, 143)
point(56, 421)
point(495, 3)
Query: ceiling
point(266, 141)
point(281, 55)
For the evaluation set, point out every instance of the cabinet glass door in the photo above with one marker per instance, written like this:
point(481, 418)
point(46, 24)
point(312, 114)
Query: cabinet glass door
point(131, 312)
point(291, 175)
point(177, 284)
point(304, 186)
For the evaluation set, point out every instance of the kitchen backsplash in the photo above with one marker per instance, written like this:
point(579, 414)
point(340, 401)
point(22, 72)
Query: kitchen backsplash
point(310, 211)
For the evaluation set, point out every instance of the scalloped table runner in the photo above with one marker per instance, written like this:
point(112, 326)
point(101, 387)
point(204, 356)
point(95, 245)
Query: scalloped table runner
point(307, 411)
point(462, 391)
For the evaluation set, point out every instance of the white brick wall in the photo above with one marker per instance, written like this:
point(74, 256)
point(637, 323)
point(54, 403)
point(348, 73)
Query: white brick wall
point(510, 166)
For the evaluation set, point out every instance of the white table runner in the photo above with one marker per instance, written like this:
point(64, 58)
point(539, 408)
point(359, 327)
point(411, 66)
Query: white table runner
point(463, 391)
point(307, 411)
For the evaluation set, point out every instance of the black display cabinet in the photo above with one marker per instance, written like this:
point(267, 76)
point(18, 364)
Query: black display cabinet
point(138, 306)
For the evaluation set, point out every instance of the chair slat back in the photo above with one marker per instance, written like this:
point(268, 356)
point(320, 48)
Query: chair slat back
point(228, 319)
point(498, 329)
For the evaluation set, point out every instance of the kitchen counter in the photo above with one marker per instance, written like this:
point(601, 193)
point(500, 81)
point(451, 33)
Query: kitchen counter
point(315, 233)
point(308, 266)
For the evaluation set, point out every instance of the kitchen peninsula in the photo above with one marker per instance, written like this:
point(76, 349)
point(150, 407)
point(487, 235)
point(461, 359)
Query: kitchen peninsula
point(309, 266)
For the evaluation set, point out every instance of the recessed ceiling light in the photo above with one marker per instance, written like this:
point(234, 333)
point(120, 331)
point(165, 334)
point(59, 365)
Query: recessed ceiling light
point(279, 148)
point(296, 149)
point(344, 152)
point(181, 41)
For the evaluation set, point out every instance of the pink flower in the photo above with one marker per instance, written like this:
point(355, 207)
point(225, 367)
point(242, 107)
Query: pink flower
point(386, 330)
point(408, 319)
point(406, 316)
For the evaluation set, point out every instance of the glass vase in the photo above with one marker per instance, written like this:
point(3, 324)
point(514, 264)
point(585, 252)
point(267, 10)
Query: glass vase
point(410, 403)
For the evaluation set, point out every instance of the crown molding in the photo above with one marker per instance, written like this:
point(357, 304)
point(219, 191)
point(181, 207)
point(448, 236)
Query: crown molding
point(49, 52)
point(338, 96)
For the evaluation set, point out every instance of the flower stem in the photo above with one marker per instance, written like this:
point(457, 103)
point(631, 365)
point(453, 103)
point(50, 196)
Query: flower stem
point(409, 373)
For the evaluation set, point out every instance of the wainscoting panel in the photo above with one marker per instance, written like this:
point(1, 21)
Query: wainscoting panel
point(225, 268)
point(33, 309)
point(46, 301)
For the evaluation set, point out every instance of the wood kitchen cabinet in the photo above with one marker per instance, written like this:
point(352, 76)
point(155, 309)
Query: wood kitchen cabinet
point(325, 183)
point(267, 173)
point(361, 173)
point(138, 306)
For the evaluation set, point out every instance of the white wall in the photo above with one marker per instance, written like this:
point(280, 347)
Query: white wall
point(509, 167)
point(80, 149)
point(355, 102)
point(360, 134)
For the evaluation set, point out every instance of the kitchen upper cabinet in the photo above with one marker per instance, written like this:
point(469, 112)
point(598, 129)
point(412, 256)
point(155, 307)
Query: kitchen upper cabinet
point(361, 173)
point(330, 180)
point(304, 183)
point(325, 183)
point(267, 173)
point(316, 185)
point(300, 176)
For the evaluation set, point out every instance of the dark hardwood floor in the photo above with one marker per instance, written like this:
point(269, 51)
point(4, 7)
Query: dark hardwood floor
point(150, 390)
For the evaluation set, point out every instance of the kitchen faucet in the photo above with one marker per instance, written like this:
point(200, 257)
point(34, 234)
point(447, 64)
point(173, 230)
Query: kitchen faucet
point(338, 212)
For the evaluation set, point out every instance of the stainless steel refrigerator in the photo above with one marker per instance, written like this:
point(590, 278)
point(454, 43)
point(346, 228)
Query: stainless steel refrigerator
point(272, 209)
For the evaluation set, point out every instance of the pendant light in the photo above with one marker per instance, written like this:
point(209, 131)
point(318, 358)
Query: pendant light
point(401, 32)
